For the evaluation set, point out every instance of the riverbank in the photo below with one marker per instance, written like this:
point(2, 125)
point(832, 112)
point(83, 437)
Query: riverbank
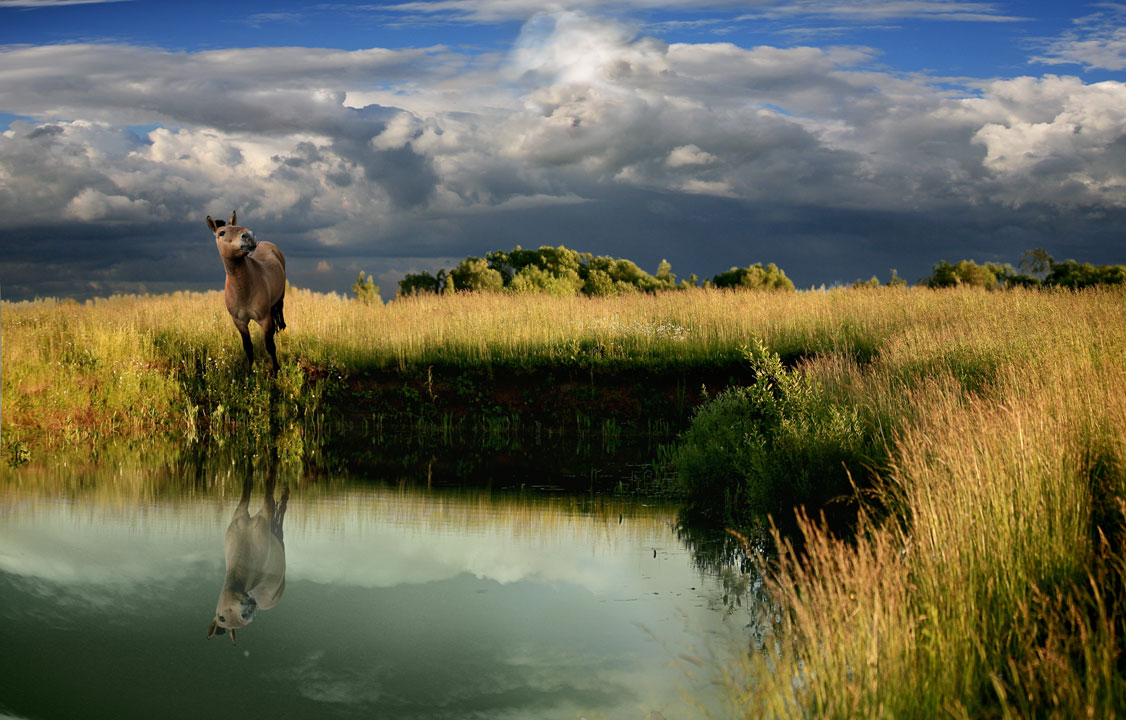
point(127, 369)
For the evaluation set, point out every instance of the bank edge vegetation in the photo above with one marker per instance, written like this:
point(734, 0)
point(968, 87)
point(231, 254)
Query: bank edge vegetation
point(979, 441)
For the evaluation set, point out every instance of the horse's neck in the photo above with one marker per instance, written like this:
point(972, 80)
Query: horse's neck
point(238, 270)
point(250, 553)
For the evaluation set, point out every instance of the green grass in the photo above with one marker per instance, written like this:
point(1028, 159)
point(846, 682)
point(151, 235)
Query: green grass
point(985, 579)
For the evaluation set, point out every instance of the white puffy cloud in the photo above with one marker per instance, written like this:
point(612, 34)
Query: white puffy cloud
point(429, 153)
point(689, 155)
point(91, 204)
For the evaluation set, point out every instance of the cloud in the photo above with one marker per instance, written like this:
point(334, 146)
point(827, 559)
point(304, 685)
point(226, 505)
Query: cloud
point(572, 136)
point(492, 11)
point(689, 155)
point(1098, 41)
point(36, 4)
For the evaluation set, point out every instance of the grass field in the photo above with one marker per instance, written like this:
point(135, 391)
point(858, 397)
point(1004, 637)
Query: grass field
point(985, 577)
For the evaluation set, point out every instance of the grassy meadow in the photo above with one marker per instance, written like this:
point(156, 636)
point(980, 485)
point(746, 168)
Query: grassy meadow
point(984, 441)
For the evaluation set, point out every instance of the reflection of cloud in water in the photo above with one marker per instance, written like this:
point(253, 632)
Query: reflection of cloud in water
point(67, 545)
point(377, 538)
point(396, 537)
point(399, 604)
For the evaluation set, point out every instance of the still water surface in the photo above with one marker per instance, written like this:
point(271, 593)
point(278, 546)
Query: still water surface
point(398, 603)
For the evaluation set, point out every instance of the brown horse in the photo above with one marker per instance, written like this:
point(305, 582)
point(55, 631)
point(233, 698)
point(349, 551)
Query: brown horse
point(255, 287)
point(254, 547)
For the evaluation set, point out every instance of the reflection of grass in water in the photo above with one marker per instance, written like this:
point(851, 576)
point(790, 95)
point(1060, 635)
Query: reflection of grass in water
point(130, 490)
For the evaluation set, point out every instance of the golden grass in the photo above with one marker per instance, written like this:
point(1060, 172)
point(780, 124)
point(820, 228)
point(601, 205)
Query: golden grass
point(992, 588)
point(995, 588)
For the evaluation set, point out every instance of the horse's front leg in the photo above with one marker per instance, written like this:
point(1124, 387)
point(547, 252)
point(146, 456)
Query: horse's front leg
point(247, 346)
point(268, 328)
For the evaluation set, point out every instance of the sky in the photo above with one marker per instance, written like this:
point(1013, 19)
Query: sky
point(836, 138)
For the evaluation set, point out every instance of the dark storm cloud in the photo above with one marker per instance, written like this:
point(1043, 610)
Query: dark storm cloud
point(584, 134)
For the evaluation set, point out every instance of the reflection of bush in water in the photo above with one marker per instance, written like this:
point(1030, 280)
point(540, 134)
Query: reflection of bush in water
point(731, 559)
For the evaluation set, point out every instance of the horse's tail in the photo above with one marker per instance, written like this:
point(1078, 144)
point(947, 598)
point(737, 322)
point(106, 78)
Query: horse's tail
point(277, 316)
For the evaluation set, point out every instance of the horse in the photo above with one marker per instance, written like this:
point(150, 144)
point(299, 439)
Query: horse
point(255, 288)
point(254, 548)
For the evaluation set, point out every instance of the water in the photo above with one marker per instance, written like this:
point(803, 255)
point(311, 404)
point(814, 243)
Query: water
point(398, 602)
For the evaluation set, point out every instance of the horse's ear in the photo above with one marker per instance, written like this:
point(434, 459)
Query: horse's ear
point(211, 224)
point(234, 220)
point(232, 631)
point(214, 623)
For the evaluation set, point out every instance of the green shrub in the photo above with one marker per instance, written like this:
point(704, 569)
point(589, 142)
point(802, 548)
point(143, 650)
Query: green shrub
point(365, 289)
point(754, 277)
point(766, 448)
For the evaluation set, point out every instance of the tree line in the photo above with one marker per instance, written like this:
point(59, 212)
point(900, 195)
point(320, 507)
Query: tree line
point(562, 271)
point(1036, 269)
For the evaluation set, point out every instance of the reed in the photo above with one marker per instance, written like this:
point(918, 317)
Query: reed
point(994, 588)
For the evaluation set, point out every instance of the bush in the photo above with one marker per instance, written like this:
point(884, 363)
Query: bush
point(769, 447)
point(965, 272)
point(365, 289)
point(475, 274)
point(754, 277)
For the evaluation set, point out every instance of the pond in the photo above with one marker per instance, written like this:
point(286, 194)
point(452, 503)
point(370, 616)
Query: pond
point(397, 601)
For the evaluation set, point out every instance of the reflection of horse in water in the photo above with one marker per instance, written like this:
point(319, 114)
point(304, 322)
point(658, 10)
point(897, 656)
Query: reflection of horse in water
point(255, 553)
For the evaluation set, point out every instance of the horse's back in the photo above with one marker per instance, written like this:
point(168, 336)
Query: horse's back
point(267, 249)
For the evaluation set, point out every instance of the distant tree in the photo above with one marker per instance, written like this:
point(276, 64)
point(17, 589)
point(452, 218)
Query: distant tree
point(532, 278)
point(753, 277)
point(447, 282)
point(365, 289)
point(475, 274)
point(598, 283)
point(562, 271)
point(965, 272)
point(895, 280)
point(415, 283)
point(1036, 262)
point(1076, 275)
point(872, 282)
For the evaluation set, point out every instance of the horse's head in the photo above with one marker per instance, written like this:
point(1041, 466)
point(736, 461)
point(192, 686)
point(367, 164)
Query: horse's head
point(234, 241)
point(234, 610)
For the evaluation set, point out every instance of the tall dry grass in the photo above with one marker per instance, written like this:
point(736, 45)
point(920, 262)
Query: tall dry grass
point(133, 366)
point(994, 588)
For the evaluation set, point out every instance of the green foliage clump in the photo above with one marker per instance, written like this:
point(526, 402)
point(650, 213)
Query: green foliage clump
point(753, 277)
point(415, 283)
point(967, 273)
point(874, 282)
point(766, 448)
point(557, 271)
point(424, 282)
point(365, 289)
point(1076, 275)
point(475, 274)
point(1038, 269)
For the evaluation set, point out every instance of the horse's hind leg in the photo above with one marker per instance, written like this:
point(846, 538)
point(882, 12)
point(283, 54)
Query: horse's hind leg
point(276, 314)
point(279, 516)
